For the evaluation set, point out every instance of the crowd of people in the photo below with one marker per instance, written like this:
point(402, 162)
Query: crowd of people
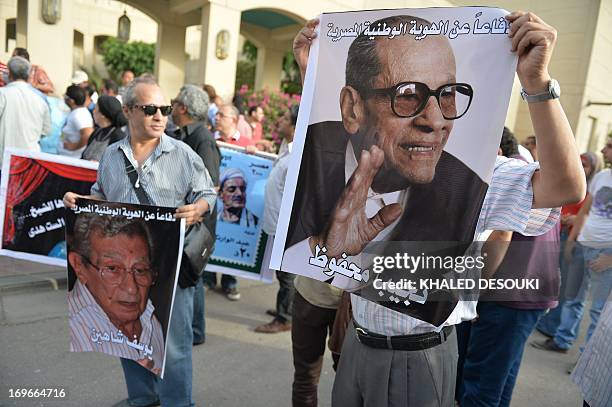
point(175, 144)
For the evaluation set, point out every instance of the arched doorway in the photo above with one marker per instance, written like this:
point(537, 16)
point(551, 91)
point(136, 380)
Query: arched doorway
point(266, 50)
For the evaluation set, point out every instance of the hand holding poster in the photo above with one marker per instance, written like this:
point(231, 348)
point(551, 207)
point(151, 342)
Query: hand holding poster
point(121, 282)
point(407, 153)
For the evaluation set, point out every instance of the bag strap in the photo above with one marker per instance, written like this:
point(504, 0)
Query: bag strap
point(133, 176)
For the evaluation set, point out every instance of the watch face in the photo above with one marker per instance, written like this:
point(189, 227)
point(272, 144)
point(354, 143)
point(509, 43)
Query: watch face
point(555, 89)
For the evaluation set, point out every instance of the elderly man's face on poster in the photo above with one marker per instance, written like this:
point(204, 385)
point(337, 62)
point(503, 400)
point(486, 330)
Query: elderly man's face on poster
point(118, 274)
point(233, 193)
point(408, 111)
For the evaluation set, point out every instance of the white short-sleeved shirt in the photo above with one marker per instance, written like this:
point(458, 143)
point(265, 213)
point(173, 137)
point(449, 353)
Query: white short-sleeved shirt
point(597, 230)
point(78, 119)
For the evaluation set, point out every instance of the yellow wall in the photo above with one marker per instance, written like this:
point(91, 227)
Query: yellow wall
point(581, 63)
point(89, 17)
point(597, 89)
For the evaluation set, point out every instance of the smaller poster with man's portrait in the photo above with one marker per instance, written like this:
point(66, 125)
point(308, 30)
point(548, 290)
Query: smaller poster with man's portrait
point(123, 265)
point(241, 242)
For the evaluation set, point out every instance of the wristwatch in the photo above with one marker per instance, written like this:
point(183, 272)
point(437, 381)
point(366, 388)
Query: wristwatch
point(554, 91)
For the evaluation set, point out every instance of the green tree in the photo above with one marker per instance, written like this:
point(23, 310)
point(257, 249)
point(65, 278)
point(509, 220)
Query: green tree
point(245, 74)
point(249, 50)
point(136, 56)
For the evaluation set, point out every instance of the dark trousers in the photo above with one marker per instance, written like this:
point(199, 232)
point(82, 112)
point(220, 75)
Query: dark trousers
point(491, 350)
point(199, 322)
point(144, 388)
point(227, 282)
point(309, 330)
point(284, 297)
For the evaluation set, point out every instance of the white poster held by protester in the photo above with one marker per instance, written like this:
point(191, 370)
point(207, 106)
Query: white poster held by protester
point(402, 112)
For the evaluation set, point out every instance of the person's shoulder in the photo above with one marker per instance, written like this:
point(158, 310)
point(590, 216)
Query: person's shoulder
point(83, 114)
point(110, 151)
point(606, 172)
point(203, 135)
point(172, 144)
point(602, 176)
point(179, 147)
point(510, 164)
point(117, 135)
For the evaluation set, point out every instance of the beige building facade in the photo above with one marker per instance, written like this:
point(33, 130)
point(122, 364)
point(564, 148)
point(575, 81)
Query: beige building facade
point(199, 41)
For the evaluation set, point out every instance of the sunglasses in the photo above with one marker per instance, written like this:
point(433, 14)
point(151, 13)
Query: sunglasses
point(150, 110)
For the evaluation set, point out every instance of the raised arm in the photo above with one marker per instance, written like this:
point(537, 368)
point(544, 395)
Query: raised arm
point(560, 179)
point(301, 45)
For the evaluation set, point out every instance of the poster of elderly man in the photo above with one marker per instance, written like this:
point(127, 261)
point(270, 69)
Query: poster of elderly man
point(395, 145)
point(241, 241)
point(120, 282)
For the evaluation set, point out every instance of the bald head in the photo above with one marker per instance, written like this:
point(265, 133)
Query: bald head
point(403, 59)
point(367, 58)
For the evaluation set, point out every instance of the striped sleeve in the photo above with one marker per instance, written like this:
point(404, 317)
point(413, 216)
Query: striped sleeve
point(201, 184)
point(593, 372)
point(96, 188)
point(507, 204)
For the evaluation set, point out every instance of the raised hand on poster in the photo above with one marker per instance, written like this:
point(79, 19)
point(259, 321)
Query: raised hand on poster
point(302, 42)
point(533, 40)
point(349, 230)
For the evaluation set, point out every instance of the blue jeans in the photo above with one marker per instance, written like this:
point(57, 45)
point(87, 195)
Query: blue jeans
point(199, 323)
point(174, 390)
point(549, 323)
point(493, 354)
point(573, 309)
point(575, 296)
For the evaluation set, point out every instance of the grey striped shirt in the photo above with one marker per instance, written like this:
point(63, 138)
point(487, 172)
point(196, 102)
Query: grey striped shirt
point(593, 372)
point(173, 175)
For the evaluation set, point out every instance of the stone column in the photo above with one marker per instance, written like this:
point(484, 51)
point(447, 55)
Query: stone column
point(220, 73)
point(40, 39)
point(170, 58)
point(269, 69)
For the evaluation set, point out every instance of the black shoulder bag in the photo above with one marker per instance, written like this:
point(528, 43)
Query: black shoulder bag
point(198, 244)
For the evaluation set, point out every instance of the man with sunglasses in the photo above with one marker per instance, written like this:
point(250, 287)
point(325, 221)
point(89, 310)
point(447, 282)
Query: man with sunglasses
point(168, 173)
point(400, 186)
point(109, 303)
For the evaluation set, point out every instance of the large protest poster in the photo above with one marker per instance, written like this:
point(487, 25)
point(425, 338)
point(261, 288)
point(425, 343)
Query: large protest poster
point(32, 187)
point(123, 265)
point(402, 112)
point(241, 242)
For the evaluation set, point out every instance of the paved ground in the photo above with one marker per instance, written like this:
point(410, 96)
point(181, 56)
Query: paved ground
point(236, 367)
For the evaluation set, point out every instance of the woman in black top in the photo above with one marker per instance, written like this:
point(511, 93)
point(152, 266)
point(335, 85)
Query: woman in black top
point(109, 117)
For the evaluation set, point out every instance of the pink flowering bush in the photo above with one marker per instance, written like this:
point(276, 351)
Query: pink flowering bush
point(274, 105)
